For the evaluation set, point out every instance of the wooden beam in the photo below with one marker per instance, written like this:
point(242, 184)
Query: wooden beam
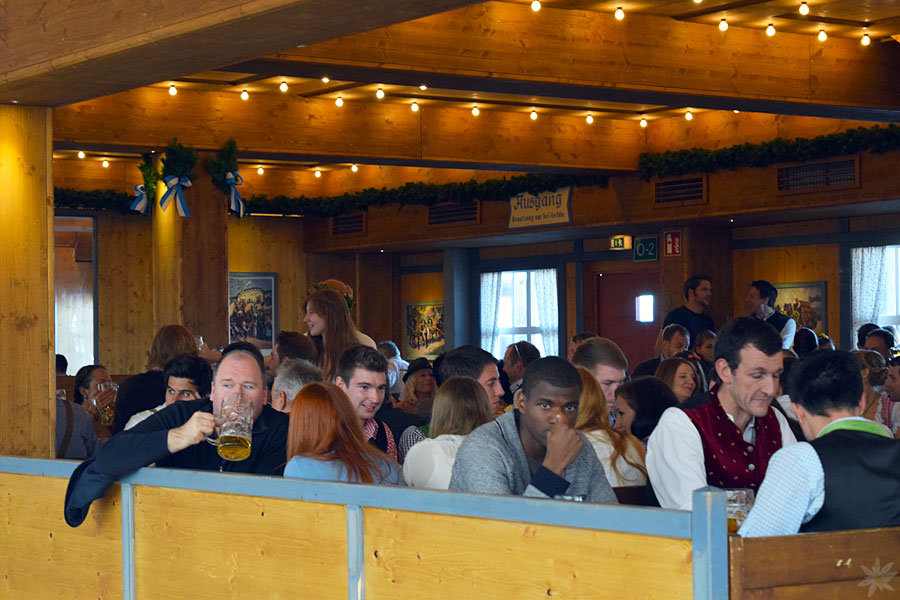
point(54, 54)
point(500, 46)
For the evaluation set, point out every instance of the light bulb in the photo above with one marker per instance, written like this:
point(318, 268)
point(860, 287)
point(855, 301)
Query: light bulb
point(688, 115)
point(804, 8)
point(697, 1)
point(620, 14)
point(260, 171)
point(534, 115)
point(475, 111)
point(172, 90)
point(865, 41)
point(283, 87)
point(589, 119)
point(318, 173)
point(414, 107)
point(770, 30)
point(354, 168)
point(81, 154)
point(105, 163)
point(244, 95)
point(379, 94)
point(643, 122)
point(423, 87)
point(536, 5)
point(339, 101)
point(736, 111)
point(325, 80)
point(723, 25)
point(822, 35)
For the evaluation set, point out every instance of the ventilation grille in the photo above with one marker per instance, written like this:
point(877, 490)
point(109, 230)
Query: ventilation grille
point(352, 224)
point(453, 212)
point(680, 191)
point(807, 177)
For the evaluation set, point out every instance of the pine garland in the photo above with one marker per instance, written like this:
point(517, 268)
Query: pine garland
point(151, 176)
point(179, 161)
point(227, 163)
point(99, 200)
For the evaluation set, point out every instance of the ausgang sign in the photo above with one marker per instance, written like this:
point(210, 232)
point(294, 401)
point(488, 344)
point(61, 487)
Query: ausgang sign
point(546, 208)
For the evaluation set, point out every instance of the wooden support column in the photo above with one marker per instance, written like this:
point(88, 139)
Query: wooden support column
point(190, 261)
point(27, 406)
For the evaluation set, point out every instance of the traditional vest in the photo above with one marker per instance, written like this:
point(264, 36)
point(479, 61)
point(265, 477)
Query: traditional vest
point(732, 462)
point(777, 320)
point(862, 477)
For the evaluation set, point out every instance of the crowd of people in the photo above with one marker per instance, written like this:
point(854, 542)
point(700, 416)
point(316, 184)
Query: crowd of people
point(811, 430)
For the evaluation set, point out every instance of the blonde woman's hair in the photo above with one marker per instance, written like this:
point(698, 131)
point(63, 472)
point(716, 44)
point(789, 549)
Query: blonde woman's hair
point(873, 361)
point(460, 406)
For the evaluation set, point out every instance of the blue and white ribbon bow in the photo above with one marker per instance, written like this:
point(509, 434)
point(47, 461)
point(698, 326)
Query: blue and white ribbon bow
point(175, 184)
point(140, 203)
point(235, 202)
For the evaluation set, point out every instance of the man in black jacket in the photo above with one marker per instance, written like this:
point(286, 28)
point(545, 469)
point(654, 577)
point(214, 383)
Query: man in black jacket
point(176, 436)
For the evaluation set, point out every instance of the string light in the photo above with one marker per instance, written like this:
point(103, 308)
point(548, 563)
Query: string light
point(105, 163)
point(697, 1)
point(423, 87)
point(325, 79)
point(475, 110)
point(533, 115)
point(589, 119)
point(81, 154)
point(688, 115)
point(414, 107)
point(354, 168)
point(736, 111)
point(260, 171)
point(620, 14)
point(723, 25)
point(643, 122)
point(318, 173)
point(172, 90)
point(865, 41)
point(339, 101)
point(379, 94)
point(536, 5)
point(244, 95)
point(804, 8)
point(770, 30)
point(822, 35)
point(283, 87)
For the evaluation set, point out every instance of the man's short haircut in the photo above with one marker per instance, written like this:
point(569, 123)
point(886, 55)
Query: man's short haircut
point(465, 361)
point(670, 331)
point(805, 342)
point(826, 381)
point(294, 373)
point(360, 357)
point(703, 337)
point(524, 352)
point(600, 351)
point(292, 344)
point(243, 348)
point(885, 335)
point(766, 290)
point(554, 370)
point(863, 332)
point(62, 365)
point(742, 332)
point(693, 282)
point(389, 349)
point(583, 336)
point(190, 367)
point(894, 361)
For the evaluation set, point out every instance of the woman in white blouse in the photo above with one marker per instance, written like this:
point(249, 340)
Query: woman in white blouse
point(620, 453)
point(460, 406)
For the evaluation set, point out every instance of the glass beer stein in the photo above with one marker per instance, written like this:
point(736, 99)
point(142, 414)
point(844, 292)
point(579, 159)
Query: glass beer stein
point(234, 426)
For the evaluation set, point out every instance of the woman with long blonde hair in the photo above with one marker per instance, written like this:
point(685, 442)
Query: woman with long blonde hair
point(332, 330)
point(326, 441)
point(620, 453)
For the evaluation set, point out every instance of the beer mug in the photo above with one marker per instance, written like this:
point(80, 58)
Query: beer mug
point(234, 426)
point(738, 503)
point(107, 412)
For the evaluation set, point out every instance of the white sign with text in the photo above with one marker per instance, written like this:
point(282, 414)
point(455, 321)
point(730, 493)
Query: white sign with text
point(546, 208)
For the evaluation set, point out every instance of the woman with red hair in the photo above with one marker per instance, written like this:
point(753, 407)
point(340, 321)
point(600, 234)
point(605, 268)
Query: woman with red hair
point(326, 441)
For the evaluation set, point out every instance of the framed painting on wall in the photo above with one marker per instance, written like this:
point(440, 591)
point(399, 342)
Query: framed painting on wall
point(253, 308)
point(424, 332)
point(806, 302)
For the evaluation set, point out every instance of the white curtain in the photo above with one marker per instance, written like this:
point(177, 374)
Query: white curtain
point(868, 286)
point(547, 308)
point(490, 308)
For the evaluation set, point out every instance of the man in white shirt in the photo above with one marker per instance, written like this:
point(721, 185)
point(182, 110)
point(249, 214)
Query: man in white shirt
point(760, 303)
point(517, 357)
point(727, 439)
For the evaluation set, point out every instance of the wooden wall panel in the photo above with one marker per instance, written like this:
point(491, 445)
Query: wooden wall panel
point(42, 557)
point(125, 291)
point(374, 295)
point(262, 547)
point(791, 264)
point(268, 244)
point(474, 558)
point(343, 180)
point(27, 409)
point(89, 174)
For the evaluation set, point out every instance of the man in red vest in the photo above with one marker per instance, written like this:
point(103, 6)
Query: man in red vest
point(725, 439)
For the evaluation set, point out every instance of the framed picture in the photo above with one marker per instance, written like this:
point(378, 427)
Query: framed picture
point(253, 308)
point(806, 302)
point(424, 333)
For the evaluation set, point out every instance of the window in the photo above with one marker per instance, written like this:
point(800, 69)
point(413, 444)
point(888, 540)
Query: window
point(73, 285)
point(890, 312)
point(643, 308)
point(520, 305)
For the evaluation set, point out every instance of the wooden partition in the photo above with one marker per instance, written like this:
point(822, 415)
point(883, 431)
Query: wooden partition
point(164, 533)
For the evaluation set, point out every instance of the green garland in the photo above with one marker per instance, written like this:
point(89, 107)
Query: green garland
point(697, 160)
point(422, 194)
point(99, 200)
point(151, 176)
point(227, 163)
point(179, 161)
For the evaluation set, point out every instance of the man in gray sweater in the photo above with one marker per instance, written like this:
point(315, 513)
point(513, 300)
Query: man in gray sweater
point(534, 450)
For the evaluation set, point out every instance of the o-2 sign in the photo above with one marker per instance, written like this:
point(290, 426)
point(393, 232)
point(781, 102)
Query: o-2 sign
point(646, 249)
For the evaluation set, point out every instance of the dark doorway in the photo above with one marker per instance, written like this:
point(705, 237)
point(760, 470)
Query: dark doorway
point(622, 299)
